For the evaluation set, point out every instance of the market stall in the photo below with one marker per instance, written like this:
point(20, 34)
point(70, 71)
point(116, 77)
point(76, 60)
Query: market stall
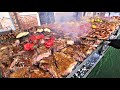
point(70, 49)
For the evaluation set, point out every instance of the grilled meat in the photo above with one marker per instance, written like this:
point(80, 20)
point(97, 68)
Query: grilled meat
point(41, 56)
point(93, 42)
point(20, 62)
point(65, 63)
point(58, 65)
point(59, 44)
point(73, 52)
point(19, 73)
point(40, 74)
point(28, 72)
point(49, 64)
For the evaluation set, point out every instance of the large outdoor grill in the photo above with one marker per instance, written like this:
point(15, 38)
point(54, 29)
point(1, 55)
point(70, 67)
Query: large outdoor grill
point(51, 66)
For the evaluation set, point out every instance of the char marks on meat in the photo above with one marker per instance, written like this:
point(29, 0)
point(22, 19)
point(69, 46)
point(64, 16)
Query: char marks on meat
point(73, 52)
point(59, 44)
point(28, 73)
point(58, 65)
point(48, 64)
point(65, 63)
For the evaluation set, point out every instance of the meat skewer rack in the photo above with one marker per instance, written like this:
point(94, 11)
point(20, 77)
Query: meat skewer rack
point(82, 70)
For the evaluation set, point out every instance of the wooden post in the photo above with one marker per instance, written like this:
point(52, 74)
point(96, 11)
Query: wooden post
point(84, 13)
point(38, 19)
point(79, 15)
point(102, 14)
point(109, 13)
point(94, 14)
point(15, 20)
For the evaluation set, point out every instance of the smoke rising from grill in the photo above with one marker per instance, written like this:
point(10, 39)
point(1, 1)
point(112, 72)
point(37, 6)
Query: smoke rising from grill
point(61, 17)
point(66, 22)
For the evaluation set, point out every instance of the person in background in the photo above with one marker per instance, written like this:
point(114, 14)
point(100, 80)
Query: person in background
point(46, 17)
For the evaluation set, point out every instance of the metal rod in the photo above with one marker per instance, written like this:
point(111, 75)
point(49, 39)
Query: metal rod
point(12, 21)
point(16, 17)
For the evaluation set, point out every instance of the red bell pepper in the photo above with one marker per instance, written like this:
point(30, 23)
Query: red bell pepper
point(40, 36)
point(28, 46)
point(33, 39)
point(52, 38)
point(49, 43)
